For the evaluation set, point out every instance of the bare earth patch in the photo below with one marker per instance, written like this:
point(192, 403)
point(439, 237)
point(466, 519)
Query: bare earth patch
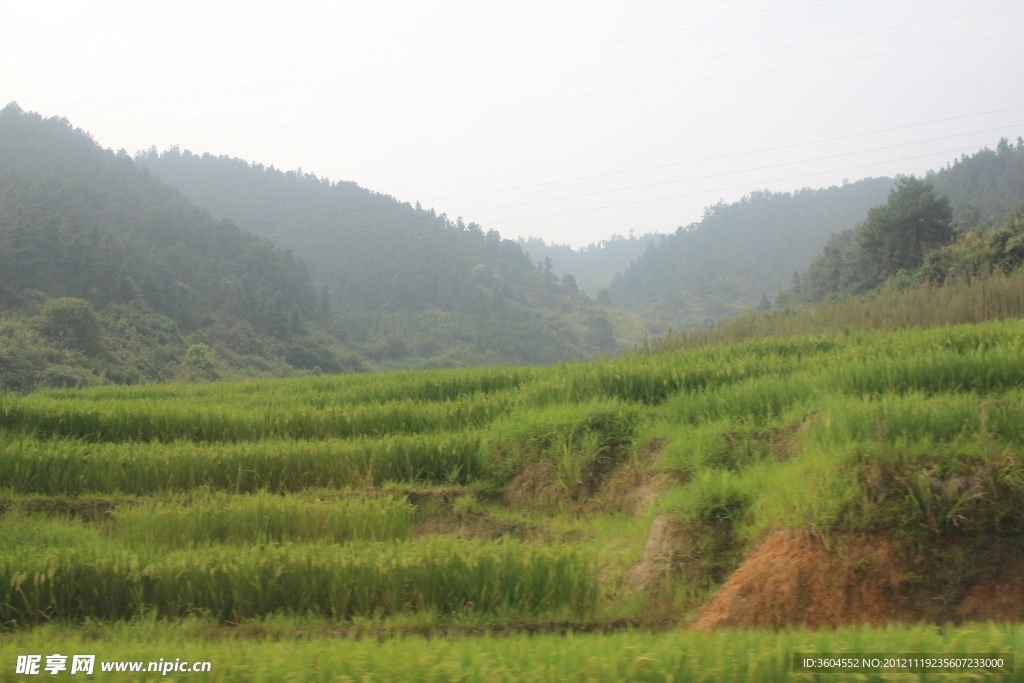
point(998, 596)
point(659, 551)
point(794, 579)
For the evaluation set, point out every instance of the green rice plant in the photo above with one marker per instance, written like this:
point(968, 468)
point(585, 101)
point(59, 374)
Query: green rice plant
point(129, 421)
point(18, 528)
point(910, 488)
point(910, 463)
point(935, 371)
point(816, 491)
point(651, 380)
point(713, 510)
point(228, 584)
point(420, 385)
point(729, 443)
point(757, 399)
point(957, 302)
point(723, 656)
point(75, 466)
point(580, 440)
point(340, 407)
point(916, 416)
point(715, 497)
point(262, 518)
point(932, 371)
point(577, 459)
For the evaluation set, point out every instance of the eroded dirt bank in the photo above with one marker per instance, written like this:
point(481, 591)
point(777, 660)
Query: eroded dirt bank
point(794, 579)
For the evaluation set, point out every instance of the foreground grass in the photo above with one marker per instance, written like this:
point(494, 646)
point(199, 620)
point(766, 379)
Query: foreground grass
point(613, 658)
point(101, 580)
point(955, 302)
point(69, 466)
point(505, 494)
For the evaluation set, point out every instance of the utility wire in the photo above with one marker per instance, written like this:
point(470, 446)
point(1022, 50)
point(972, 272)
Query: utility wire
point(678, 163)
point(632, 203)
point(745, 170)
point(733, 187)
point(667, 182)
point(725, 156)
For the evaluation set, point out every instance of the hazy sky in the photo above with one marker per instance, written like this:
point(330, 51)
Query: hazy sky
point(567, 120)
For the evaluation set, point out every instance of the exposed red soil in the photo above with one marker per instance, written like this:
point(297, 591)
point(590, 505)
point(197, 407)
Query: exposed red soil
point(794, 579)
point(998, 596)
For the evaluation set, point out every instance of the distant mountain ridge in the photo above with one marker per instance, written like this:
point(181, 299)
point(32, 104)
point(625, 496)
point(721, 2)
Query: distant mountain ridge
point(372, 251)
point(594, 265)
point(89, 241)
point(983, 189)
point(389, 265)
point(110, 274)
point(739, 253)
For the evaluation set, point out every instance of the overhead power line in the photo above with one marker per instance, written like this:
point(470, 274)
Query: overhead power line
point(667, 182)
point(623, 204)
point(678, 163)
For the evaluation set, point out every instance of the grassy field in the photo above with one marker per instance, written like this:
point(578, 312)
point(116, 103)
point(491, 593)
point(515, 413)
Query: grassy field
point(508, 500)
point(269, 653)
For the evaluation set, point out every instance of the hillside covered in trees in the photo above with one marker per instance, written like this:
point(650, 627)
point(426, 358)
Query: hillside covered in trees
point(108, 274)
point(400, 275)
point(963, 207)
point(739, 253)
point(811, 241)
point(594, 265)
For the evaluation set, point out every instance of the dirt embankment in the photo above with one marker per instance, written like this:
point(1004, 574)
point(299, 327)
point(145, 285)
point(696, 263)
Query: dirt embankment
point(659, 553)
point(794, 579)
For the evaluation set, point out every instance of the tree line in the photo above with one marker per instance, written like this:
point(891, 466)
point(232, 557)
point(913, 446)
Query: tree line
point(960, 220)
point(739, 252)
point(110, 274)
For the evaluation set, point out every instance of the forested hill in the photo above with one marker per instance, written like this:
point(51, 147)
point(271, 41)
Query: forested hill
point(373, 252)
point(979, 192)
point(84, 221)
point(108, 274)
point(594, 265)
point(405, 283)
point(740, 252)
point(985, 187)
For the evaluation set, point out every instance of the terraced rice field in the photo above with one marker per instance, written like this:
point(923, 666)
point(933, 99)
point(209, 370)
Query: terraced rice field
point(253, 524)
